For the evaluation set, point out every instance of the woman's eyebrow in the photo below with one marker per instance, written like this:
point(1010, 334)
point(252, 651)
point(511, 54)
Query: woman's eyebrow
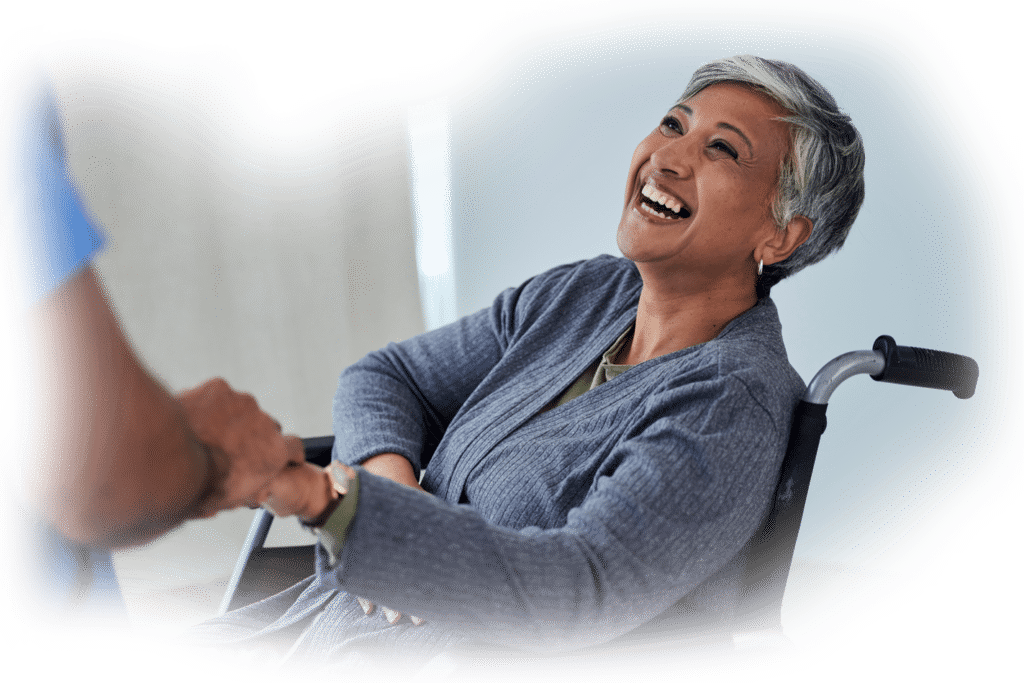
point(727, 126)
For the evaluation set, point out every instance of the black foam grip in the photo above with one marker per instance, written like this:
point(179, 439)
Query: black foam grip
point(926, 368)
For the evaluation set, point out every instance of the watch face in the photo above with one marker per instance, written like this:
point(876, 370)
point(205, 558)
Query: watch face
point(339, 477)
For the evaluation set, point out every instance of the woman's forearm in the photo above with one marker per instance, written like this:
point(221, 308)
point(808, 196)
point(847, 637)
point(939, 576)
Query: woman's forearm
point(402, 398)
point(394, 467)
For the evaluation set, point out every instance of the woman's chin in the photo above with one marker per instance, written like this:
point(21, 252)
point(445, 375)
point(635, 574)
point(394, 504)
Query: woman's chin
point(634, 244)
point(627, 247)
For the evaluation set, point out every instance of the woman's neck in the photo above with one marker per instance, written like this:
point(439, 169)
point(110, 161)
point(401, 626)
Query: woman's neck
point(669, 319)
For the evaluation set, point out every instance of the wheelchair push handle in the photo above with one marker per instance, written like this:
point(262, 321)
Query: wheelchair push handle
point(926, 368)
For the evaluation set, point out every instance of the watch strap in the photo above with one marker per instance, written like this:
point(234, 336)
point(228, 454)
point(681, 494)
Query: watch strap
point(334, 529)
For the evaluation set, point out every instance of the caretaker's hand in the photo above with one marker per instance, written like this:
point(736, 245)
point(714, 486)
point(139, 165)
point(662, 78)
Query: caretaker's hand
point(246, 446)
point(129, 460)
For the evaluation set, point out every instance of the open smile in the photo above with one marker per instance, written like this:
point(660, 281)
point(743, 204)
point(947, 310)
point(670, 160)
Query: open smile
point(657, 203)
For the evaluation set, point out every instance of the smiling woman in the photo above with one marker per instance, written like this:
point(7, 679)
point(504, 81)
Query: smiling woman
point(595, 449)
point(753, 175)
point(714, 162)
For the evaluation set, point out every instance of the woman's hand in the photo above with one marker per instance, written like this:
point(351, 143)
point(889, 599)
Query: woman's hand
point(396, 468)
point(302, 489)
point(391, 615)
point(305, 490)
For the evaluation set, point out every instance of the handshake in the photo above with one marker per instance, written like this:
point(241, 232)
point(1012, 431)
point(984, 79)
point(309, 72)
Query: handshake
point(116, 460)
point(251, 462)
point(257, 465)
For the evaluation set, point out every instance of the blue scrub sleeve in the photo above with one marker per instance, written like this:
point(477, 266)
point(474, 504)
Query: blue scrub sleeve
point(52, 237)
point(60, 241)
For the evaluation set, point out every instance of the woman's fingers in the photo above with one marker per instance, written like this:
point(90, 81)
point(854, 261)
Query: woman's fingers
point(300, 489)
point(391, 615)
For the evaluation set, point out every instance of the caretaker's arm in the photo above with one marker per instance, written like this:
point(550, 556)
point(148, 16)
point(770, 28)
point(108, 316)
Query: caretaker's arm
point(119, 460)
point(122, 460)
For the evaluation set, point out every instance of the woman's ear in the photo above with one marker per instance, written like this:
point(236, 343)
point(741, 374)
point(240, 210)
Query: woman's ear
point(784, 242)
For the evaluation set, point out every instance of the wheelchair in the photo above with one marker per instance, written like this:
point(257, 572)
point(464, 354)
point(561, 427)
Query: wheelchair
point(688, 637)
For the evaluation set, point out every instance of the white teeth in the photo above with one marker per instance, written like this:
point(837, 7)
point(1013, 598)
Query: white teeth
point(660, 197)
point(650, 210)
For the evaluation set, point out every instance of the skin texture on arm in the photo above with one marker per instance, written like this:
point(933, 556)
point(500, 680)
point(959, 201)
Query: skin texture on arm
point(121, 460)
point(394, 467)
point(305, 492)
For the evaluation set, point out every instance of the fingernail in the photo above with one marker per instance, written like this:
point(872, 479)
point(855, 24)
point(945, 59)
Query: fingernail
point(416, 621)
point(391, 615)
point(366, 605)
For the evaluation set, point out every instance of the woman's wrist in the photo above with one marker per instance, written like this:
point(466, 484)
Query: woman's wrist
point(329, 497)
point(323, 500)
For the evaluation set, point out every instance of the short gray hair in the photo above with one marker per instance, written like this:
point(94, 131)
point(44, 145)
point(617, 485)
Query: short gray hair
point(822, 177)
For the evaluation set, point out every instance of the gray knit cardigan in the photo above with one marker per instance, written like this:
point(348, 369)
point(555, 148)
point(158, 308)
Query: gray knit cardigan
point(621, 512)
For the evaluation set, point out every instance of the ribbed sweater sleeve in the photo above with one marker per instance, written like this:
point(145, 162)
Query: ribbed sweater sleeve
point(684, 475)
point(672, 509)
point(402, 398)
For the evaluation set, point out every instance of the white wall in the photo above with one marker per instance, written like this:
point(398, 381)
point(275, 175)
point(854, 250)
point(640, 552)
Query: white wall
point(267, 251)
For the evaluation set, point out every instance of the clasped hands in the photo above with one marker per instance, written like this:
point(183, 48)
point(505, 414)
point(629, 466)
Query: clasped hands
point(255, 464)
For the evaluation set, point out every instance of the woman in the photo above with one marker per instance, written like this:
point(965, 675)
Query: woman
point(604, 440)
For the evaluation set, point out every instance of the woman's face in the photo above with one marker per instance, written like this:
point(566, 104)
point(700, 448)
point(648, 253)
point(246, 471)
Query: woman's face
point(700, 187)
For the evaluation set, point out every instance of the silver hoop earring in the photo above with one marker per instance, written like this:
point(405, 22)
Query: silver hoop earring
point(760, 267)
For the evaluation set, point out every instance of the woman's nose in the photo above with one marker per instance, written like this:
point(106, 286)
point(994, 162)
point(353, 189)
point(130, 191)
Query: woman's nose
point(676, 157)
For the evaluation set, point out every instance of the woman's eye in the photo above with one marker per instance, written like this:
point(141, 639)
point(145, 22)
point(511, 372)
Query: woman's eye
point(719, 145)
point(670, 125)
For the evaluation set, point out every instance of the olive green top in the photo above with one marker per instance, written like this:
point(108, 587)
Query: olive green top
point(598, 373)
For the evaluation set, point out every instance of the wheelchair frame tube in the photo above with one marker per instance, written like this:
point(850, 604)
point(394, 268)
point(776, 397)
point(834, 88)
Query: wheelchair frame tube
point(840, 369)
point(258, 531)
